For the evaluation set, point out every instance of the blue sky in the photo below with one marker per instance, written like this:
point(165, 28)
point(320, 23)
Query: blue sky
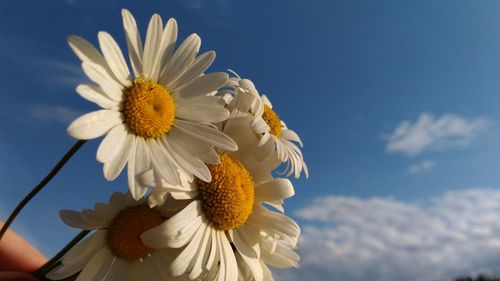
point(396, 101)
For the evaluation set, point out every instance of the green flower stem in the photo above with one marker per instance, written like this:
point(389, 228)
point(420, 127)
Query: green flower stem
point(55, 261)
point(40, 186)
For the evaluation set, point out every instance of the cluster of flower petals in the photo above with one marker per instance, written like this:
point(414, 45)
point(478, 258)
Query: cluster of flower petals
point(200, 151)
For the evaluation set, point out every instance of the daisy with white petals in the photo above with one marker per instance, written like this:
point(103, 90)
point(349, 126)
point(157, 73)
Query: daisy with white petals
point(273, 133)
point(114, 250)
point(157, 117)
point(226, 220)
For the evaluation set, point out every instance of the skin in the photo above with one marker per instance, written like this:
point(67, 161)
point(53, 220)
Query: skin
point(18, 257)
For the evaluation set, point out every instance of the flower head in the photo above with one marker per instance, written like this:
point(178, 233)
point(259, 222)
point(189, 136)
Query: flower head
point(114, 250)
point(157, 117)
point(275, 139)
point(229, 219)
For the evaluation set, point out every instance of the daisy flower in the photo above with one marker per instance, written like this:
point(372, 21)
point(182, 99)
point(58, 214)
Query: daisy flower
point(273, 133)
point(114, 250)
point(159, 116)
point(226, 219)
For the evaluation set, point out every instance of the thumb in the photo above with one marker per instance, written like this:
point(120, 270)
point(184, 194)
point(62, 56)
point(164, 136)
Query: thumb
point(16, 276)
point(18, 255)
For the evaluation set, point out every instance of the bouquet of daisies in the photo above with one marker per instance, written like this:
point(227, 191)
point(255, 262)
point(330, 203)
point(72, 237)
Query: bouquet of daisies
point(200, 151)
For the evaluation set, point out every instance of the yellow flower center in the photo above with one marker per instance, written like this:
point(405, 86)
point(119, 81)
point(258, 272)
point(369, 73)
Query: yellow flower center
point(148, 109)
point(125, 230)
point(272, 120)
point(228, 198)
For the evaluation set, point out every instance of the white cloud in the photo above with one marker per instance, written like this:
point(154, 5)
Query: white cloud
point(53, 113)
point(420, 167)
point(348, 238)
point(43, 68)
point(431, 133)
point(64, 73)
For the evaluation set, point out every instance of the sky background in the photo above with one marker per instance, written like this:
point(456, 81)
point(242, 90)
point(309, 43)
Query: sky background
point(397, 103)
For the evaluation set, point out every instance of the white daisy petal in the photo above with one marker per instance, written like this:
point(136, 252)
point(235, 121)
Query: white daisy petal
point(105, 210)
point(149, 270)
point(87, 248)
point(152, 47)
point(182, 57)
point(201, 255)
point(187, 162)
point(112, 144)
point(94, 124)
point(221, 270)
point(97, 266)
point(113, 168)
point(199, 65)
point(78, 256)
point(157, 197)
point(114, 57)
point(204, 110)
point(280, 148)
point(186, 234)
point(266, 101)
point(119, 270)
point(134, 43)
point(202, 85)
point(141, 164)
point(230, 266)
point(244, 246)
point(277, 189)
point(64, 271)
point(282, 257)
point(163, 162)
point(148, 178)
point(266, 147)
point(185, 195)
point(98, 74)
point(95, 219)
point(136, 272)
point(292, 136)
point(74, 219)
point(158, 263)
point(95, 95)
point(194, 146)
point(209, 134)
point(268, 275)
point(260, 126)
point(180, 265)
point(214, 250)
point(275, 223)
point(169, 39)
point(120, 200)
point(255, 267)
point(86, 52)
point(154, 238)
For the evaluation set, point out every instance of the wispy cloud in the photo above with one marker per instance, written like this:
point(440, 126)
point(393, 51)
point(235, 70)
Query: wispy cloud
point(43, 68)
point(53, 113)
point(349, 238)
point(430, 133)
point(62, 72)
point(420, 167)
